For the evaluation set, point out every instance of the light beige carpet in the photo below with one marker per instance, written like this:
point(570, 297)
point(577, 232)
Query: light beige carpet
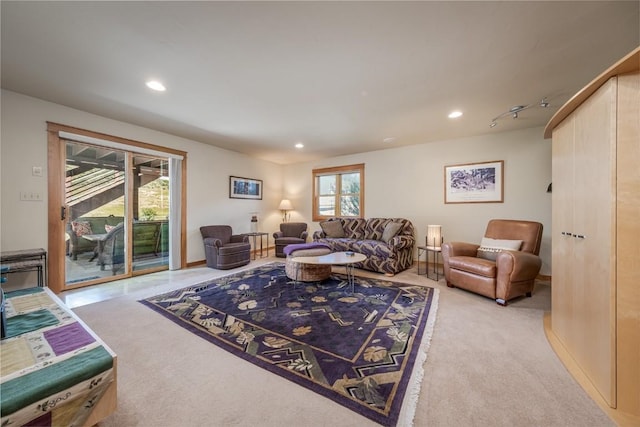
point(487, 366)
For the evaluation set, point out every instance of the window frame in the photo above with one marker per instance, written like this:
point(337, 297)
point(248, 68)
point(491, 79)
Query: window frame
point(337, 171)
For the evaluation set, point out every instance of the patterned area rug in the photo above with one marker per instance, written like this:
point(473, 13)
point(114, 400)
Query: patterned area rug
point(363, 350)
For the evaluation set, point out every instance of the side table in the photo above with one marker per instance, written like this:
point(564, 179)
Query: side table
point(430, 250)
point(255, 235)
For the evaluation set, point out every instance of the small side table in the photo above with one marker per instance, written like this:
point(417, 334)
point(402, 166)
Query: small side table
point(255, 235)
point(430, 250)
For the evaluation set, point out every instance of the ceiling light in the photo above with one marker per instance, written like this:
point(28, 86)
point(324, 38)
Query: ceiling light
point(299, 145)
point(455, 114)
point(156, 85)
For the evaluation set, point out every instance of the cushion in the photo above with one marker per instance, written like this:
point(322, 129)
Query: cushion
point(289, 249)
point(81, 227)
point(490, 248)
point(390, 231)
point(332, 228)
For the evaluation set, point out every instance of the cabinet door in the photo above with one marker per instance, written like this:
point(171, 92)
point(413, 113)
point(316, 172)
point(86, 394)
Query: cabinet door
point(594, 237)
point(563, 289)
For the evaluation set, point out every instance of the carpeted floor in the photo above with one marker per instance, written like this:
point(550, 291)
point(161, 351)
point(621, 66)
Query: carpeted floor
point(488, 366)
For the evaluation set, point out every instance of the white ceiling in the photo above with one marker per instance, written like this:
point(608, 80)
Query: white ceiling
point(340, 77)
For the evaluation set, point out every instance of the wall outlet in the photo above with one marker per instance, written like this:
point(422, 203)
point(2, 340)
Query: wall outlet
point(30, 196)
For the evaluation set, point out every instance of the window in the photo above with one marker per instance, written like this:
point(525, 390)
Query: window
point(338, 192)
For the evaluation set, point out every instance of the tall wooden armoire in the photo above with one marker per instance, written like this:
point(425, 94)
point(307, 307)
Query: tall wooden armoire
point(594, 325)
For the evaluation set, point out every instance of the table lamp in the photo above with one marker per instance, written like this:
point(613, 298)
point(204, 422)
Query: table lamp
point(434, 236)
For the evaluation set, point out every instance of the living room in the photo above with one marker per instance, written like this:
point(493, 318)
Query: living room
point(400, 181)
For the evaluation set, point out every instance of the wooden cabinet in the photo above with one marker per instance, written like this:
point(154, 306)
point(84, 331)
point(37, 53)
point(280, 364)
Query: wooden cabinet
point(595, 316)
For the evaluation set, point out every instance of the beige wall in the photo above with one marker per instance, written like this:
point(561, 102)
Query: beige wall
point(408, 182)
point(24, 144)
point(403, 182)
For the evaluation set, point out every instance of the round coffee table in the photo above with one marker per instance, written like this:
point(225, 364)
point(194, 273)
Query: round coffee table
point(336, 258)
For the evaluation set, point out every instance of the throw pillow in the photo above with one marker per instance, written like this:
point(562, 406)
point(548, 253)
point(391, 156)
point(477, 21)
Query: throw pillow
point(490, 248)
point(81, 228)
point(390, 231)
point(332, 228)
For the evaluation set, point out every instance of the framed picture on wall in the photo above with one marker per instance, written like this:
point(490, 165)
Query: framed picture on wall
point(474, 182)
point(245, 188)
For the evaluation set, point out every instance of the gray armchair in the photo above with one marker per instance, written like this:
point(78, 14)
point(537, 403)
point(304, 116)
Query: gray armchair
point(290, 233)
point(223, 249)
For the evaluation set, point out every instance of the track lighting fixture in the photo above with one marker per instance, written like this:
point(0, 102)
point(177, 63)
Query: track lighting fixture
point(513, 111)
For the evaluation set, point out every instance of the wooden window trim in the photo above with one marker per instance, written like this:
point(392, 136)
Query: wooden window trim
point(338, 170)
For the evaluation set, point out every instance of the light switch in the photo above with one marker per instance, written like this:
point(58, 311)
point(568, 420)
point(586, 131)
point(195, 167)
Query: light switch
point(36, 171)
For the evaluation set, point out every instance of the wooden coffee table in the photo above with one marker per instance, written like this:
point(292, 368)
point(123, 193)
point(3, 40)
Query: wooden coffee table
point(336, 258)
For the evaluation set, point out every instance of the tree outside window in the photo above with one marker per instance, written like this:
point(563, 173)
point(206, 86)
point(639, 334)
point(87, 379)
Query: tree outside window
point(338, 192)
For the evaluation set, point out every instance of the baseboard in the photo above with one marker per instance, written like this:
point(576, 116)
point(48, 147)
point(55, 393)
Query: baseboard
point(544, 278)
point(196, 263)
point(202, 262)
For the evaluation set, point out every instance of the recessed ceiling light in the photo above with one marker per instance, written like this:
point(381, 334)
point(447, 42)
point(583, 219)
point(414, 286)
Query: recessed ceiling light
point(455, 114)
point(390, 139)
point(299, 145)
point(156, 85)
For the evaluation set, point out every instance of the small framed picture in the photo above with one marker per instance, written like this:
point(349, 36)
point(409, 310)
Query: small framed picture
point(245, 188)
point(474, 183)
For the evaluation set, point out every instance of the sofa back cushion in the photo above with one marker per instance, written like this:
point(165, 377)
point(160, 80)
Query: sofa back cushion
point(332, 229)
point(375, 228)
point(391, 230)
point(354, 227)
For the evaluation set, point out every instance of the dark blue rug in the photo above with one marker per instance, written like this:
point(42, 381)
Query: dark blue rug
point(363, 350)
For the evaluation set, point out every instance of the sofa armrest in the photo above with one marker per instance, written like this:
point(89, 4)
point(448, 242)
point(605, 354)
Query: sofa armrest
point(515, 266)
point(304, 235)
point(451, 249)
point(319, 234)
point(401, 242)
point(239, 238)
point(278, 234)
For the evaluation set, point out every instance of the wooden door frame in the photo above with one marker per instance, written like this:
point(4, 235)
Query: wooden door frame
point(56, 184)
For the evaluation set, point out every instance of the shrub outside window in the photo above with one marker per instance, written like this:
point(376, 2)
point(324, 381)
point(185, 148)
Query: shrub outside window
point(338, 192)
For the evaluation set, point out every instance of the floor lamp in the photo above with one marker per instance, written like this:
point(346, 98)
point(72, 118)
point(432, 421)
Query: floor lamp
point(285, 206)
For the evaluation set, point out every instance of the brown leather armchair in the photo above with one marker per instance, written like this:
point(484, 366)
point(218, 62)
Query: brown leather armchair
point(513, 272)
point(223, 249)
point(290, 233)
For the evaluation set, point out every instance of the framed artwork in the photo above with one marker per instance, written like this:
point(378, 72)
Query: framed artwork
point(245, 188)
point(474, 182)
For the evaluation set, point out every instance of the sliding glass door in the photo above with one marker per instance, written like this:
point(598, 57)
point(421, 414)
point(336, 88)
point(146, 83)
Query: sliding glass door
point(117, 211)
point(150, 201)
point(94, 192)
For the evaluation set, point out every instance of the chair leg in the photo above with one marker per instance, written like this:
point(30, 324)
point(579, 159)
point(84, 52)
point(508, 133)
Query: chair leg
point(450, 285)
point(528, 294)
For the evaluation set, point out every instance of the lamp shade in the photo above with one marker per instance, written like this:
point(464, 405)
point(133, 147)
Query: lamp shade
point(434, 236)
point(285, 205)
